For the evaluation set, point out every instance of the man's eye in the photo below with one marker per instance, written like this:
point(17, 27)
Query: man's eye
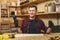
point(31, 10)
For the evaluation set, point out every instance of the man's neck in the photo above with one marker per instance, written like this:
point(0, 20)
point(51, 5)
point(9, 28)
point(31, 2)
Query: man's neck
point(32, 18)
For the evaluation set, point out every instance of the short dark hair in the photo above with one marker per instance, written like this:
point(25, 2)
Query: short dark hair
point(33, 6)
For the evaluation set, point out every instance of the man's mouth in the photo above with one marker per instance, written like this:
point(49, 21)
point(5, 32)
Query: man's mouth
point(31, 13)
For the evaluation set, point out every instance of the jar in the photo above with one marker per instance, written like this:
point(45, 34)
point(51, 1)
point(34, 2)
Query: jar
point(57, 6)
point(51, 7)
point(45, 8)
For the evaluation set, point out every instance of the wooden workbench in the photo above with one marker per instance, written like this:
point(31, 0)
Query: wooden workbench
point(35, 36)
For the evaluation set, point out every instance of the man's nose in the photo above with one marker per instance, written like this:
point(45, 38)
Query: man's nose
point(31, 11)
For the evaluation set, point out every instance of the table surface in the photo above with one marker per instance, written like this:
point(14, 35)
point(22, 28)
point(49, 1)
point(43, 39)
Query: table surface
point(34, 36)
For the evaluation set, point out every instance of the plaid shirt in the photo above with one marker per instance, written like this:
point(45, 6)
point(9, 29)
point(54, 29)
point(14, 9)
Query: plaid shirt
point(39, 25)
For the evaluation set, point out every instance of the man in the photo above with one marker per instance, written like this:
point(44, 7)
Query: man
point(32, 24)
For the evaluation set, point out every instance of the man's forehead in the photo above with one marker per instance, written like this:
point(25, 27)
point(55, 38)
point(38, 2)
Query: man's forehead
point(32, 8)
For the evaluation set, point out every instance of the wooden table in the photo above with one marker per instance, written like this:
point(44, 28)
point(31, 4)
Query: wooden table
point(35, 36)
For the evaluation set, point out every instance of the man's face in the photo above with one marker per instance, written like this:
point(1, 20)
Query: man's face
point(32, 11)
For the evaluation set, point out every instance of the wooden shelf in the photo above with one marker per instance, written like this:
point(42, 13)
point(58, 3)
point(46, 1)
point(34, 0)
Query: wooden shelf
point(47, 13)
point(4, 9)
point(34, 2)
point(14, 6)
point(24, 15)
point(29, 3)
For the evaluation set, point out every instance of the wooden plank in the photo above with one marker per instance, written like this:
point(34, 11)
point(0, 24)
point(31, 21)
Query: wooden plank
point(33, 2)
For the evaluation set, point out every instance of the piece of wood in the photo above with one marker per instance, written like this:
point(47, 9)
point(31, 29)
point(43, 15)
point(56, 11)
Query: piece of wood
point(36, 36)
point(28, 35)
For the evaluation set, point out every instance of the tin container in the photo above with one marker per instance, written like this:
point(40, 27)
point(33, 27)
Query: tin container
point(51, 7)
point(58, 7)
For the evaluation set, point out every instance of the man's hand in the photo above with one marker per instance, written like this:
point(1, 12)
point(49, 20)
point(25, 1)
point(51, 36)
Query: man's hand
point(19, 30)
point(48, 30)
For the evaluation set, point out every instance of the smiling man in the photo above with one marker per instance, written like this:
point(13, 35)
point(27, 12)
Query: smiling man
point(33, 24)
